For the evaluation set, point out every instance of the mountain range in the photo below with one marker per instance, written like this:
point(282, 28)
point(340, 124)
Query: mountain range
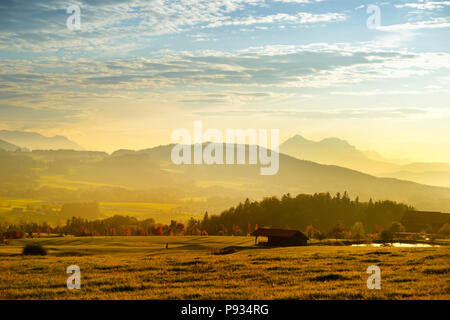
point(152, 169)
point(329, 151)
point(331, 165)
point(334, 151)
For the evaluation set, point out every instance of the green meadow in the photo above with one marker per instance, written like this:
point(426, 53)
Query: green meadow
point(160, 212)
point(143, 268)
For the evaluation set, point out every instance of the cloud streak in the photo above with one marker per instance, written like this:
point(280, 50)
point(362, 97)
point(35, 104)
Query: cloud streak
point(436, 23)
point(427, 5)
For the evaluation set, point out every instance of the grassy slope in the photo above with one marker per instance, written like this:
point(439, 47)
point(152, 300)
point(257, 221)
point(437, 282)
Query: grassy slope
point(141, 268)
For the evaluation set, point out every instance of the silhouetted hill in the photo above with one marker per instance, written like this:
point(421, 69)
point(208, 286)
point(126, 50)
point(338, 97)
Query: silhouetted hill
point(437, 174)
point(333, 151)
point(63, 154)
point(34, 140)
point(152, 169)
point(8, 146)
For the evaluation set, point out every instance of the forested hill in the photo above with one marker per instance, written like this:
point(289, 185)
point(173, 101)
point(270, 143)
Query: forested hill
point(322, 211)
point(68, 176)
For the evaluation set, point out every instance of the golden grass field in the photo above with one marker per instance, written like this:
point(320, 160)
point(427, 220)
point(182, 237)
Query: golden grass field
point(142, 268)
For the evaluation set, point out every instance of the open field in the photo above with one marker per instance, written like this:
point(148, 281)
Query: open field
point(142, 268)
point(161, 212)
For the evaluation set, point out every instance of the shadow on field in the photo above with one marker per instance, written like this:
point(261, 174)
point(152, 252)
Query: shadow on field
point(233, 249)
point(329, 277)
point(193, 247)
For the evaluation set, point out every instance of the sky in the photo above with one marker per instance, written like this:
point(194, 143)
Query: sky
point(136, 70)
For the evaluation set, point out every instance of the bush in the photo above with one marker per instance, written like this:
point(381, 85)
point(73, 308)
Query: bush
point(319, 235)
point(357, 231)
point(396, 227)
point(337, 231)
point(34, 250)
point(445, 229)
point(386, 236)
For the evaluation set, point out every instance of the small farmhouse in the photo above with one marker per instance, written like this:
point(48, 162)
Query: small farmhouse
point(281, 237)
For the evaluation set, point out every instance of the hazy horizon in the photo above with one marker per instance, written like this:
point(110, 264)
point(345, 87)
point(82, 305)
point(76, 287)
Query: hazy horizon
point(370, 153)
point(138, 70)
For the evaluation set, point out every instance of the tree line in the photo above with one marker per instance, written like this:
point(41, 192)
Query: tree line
point(318, 215)
point(321, 210)
point(113, 226)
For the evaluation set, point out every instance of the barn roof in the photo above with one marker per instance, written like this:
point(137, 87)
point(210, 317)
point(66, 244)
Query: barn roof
point(283, 233)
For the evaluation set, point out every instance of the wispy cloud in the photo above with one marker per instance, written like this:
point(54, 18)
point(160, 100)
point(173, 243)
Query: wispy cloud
point(380, 92)
point(424, 5)
point(269, 68)
point(435, 23)
point(41, 26)
point(342, 113)
point(299, 18)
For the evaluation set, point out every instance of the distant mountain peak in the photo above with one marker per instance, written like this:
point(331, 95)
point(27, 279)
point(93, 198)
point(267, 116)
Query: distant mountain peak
point(297, 137)
point(332, 141)
point(33, 140)
point(5, 145)
point(333, 151)
point(335, 141)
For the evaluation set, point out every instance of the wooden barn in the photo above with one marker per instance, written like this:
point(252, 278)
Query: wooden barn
point(281, 237)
